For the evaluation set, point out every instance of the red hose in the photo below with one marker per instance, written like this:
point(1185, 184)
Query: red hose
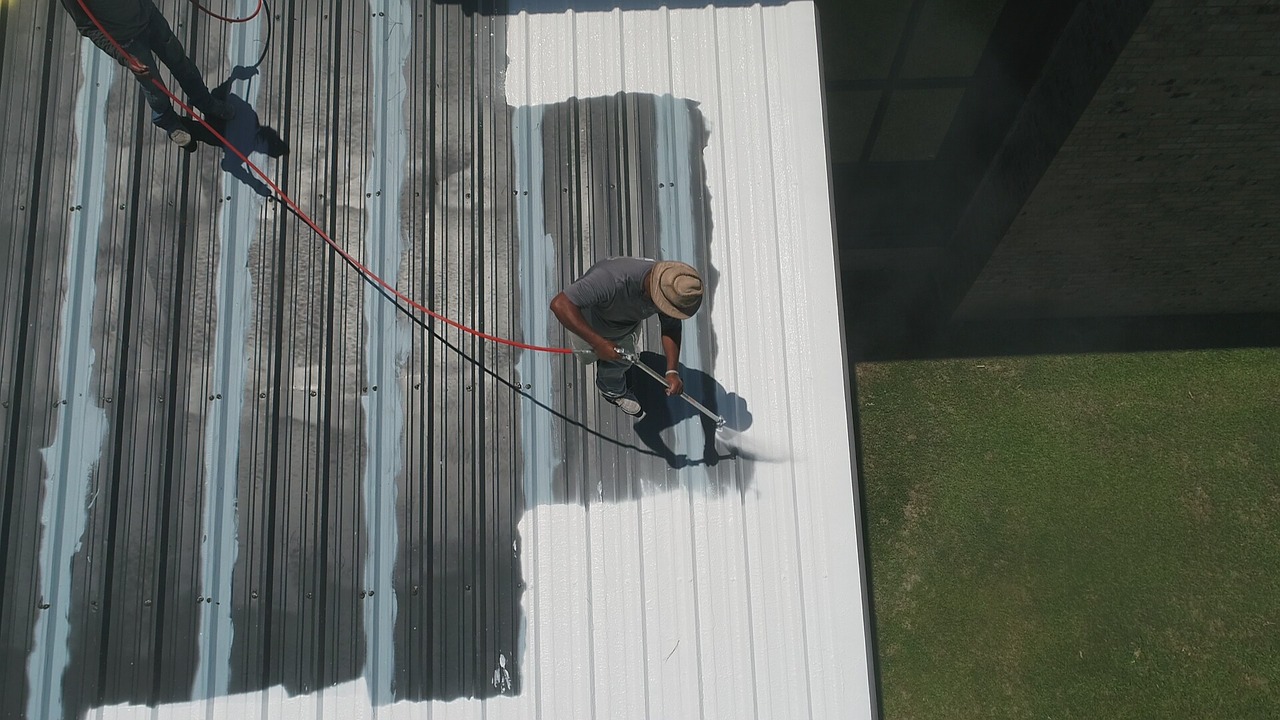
point(369, 274)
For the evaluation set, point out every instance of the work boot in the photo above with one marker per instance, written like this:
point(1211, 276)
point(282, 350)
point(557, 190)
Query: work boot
point(626, 403)
point(180, 137)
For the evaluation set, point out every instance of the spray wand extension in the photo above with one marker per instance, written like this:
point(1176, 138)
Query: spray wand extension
point(634, 360)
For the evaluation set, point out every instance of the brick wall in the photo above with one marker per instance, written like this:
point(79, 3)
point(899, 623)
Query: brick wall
point(1165, 197)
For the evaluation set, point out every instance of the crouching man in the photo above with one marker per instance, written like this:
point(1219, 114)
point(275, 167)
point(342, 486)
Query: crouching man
point(605, 310)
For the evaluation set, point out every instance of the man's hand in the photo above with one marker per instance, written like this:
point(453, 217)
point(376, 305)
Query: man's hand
point(607, 351)
point(142, 71)
point(675, 385)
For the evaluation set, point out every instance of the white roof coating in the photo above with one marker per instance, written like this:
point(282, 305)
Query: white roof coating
point(755, 607)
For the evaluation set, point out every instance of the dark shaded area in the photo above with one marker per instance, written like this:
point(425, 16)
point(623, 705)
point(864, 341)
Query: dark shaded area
point(244, 131)
point(915, 234)
point(662, 413)
point(895, 220)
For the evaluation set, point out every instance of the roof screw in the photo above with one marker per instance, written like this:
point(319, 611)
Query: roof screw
point(415, 590)
point(147, 603)
point(108, 400)
point(375, 388)
point(254, 594)
point(362, 594)
point(44, 606)
point(219, 396)
point(309, 595)
point(371, 593)
point(262, 394)
point(199, 599)
point(313, 393)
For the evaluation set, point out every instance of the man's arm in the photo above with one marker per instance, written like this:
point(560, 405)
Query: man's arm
point(671, 336)
point(570, 316)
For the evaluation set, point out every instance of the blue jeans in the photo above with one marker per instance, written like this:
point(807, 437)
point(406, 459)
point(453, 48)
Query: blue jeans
point(157, 42)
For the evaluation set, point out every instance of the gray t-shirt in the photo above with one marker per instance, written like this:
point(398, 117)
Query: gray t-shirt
point(123, 19)
point(611, 297)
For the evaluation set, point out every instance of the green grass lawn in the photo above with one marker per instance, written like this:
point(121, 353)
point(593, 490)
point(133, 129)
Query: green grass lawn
point(1076, 537)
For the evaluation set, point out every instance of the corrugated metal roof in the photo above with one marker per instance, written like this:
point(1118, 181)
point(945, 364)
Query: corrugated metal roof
point(240, 483)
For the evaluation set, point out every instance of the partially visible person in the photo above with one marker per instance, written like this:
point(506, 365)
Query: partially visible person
point(145, 35)
point(605, 310)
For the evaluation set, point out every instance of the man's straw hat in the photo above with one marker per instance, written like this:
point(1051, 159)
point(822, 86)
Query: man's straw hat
point(676, 288)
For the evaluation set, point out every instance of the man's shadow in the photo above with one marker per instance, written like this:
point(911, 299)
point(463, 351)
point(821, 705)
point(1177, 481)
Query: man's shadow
point(243, 131)
point(662, 412)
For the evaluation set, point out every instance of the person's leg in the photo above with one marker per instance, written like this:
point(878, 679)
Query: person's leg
point(168, 49)
point(162, 114)
point(611, 377)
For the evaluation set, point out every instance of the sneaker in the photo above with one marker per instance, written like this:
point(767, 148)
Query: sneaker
point(626, 403)
point(180, 137)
